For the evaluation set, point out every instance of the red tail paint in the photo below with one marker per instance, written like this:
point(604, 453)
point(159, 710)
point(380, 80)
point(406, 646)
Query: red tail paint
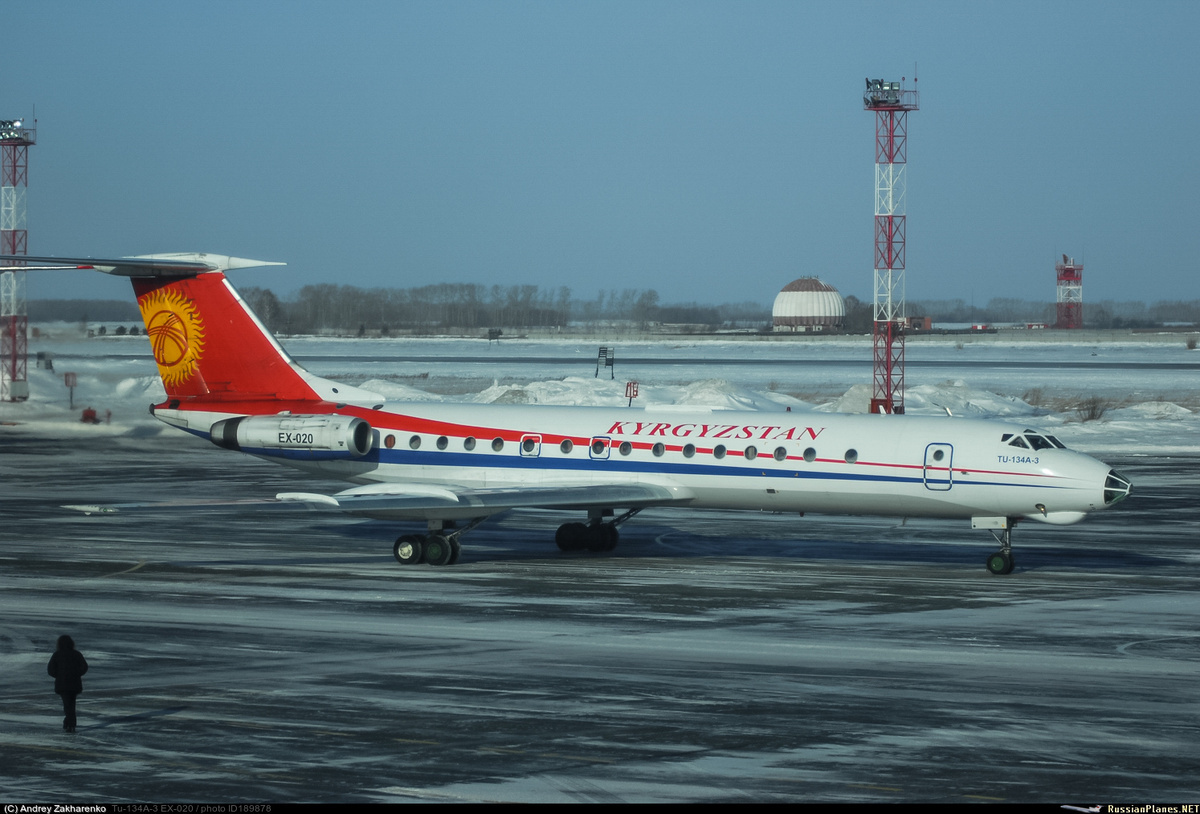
point(209, 346)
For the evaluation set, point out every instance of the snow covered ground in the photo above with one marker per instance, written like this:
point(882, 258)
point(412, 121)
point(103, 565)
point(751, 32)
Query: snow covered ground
point(1149, 392)
point(715, 657)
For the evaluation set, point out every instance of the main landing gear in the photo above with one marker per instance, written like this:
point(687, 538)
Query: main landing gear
point(1001, 562)
point(439, 547)
point(595, 535)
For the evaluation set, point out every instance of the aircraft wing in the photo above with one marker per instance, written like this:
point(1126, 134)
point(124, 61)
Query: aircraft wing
point(398, 500)
point(419, 501)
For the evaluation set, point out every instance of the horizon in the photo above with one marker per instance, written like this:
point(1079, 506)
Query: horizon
point(708, 151)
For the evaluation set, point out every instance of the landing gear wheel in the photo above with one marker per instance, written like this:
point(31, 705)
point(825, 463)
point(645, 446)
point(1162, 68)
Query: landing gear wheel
point(408, 549)
point(603, 537)
point(1000, 563)
point(438, 550)
point(571, 536)
point(612, 537)
point(455, 550)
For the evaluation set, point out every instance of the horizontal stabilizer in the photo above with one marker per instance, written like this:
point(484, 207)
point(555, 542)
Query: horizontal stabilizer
point(187, 264)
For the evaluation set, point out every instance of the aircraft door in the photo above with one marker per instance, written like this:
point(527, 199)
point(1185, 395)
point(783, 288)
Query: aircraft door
point(599, 447)
point(531, 446)
point(939, 467)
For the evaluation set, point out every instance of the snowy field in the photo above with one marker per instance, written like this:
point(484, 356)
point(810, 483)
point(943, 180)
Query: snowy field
point(713, 657)
point(1149, 391)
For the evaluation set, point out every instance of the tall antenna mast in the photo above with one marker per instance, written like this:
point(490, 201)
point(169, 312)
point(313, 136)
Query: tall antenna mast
point(15, 141)
point(1070, 293)
point(891, 103)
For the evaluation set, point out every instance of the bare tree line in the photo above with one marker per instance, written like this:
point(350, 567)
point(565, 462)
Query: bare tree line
point(472, 307)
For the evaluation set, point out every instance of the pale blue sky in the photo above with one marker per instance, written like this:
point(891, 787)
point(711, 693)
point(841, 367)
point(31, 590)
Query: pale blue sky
point(710, 150)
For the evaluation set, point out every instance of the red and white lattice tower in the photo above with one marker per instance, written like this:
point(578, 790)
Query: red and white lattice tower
point(1070, 293)
point(15, 140)
point(891, 103)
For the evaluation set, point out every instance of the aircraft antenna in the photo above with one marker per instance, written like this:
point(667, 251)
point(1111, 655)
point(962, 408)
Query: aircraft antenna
point(15, 141)
point(891, 102)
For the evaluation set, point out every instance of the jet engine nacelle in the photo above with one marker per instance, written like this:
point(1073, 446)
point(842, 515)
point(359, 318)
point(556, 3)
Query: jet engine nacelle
point(300, 433)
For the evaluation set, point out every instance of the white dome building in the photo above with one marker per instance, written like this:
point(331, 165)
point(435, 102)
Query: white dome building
point(808, 304)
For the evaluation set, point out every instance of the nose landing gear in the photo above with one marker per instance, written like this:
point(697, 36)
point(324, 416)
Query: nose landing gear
point(1001, 562)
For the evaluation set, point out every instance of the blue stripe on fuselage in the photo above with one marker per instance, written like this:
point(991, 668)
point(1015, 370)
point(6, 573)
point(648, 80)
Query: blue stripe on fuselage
point(445, 459)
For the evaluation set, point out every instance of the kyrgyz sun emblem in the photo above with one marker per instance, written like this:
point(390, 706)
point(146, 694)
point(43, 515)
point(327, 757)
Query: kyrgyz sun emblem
point(176, 333)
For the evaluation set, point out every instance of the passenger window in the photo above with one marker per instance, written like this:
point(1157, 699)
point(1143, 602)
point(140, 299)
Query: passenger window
point(597, 447)
point(497, 444)
point(658, 450)
point(390, 441)
point(528, 445)
point(415, 442)
point(469, 442)
point(719, 451)
point(689, 450)
point(780, 453)
point(810, 454)
point(566, 446)
point(442, 442)
point(851, 456)
point(626, 447)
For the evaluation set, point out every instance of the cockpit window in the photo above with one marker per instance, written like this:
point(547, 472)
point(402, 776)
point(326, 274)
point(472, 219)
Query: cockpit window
point(1038, 442)
point(1031, 440)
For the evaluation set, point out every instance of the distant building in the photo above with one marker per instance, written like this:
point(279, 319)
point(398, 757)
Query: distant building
point(808, 304)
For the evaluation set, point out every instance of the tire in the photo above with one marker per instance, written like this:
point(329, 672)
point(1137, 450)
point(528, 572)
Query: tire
point(438, 550)
point(408, 549)
point(1000, 563)
point(611, 536)
point(570, 536)
point(598, 537)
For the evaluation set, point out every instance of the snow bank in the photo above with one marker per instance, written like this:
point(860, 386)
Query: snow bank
point(117, 378)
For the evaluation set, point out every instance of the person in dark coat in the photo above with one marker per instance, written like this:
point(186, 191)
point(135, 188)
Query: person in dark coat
point(67, 666)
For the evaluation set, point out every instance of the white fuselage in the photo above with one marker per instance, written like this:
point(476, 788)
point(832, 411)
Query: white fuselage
point(769, 461)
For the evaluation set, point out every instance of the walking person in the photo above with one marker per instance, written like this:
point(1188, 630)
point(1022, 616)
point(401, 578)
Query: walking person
point(67, 666)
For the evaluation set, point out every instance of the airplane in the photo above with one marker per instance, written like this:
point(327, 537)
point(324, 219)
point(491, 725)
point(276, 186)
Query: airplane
point(228, 380)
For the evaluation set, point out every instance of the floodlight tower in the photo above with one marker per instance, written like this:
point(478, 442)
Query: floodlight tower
point(15, 140)
point(891, 103)
point(1070, 293)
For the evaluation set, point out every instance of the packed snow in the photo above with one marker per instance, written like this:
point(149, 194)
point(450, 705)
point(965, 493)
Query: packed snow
point(1126, 397)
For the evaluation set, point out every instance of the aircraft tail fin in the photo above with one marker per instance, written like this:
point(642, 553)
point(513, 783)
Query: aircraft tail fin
point(208, 344)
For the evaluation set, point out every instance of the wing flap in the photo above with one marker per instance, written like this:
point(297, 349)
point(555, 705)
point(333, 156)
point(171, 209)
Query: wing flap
point(458, 502)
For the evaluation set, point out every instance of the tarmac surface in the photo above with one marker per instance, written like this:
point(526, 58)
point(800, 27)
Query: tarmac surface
point(715, 657)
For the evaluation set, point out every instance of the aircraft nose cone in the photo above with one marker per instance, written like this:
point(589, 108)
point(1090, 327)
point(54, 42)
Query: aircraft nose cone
point(1117, 487)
